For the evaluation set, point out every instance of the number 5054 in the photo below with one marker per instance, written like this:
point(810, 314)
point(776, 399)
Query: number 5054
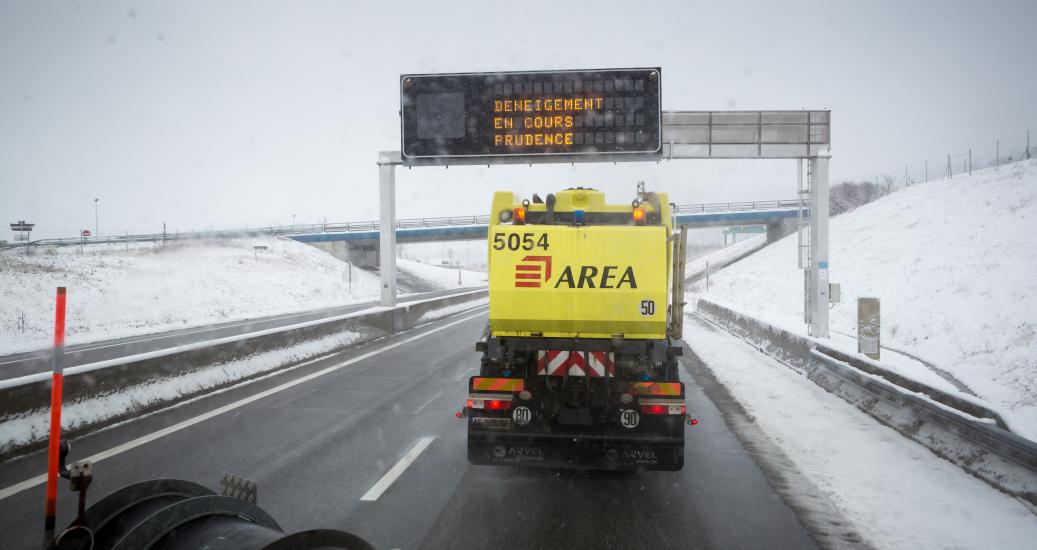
point(525, 241)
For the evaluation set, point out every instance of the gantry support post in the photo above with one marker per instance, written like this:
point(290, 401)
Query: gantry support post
point(818, 299)
point(387, 225)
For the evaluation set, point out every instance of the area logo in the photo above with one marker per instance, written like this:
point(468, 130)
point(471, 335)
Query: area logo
point(590, 276)
point(532, 271)
point(535, 271)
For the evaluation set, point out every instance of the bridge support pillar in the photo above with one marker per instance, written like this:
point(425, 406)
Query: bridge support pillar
point(360, 255)
point(781, 229)
point(338, 249)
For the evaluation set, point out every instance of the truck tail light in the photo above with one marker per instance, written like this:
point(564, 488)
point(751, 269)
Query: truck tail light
point(519, 216)
point(639, 216)
point(498, 402)
point(663, 407)
point(652, 409)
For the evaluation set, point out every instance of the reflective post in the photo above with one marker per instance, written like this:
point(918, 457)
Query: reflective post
point(54, 444)
point(818, 299)
point(387, 227)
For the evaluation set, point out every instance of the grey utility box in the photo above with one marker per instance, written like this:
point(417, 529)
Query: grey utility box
point(868, 327)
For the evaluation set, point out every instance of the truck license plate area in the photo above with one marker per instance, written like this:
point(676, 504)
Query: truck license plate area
point(492, 423)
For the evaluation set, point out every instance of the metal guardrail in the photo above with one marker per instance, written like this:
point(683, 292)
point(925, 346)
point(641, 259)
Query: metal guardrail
point(736, 206)
point(964, 433)
point(350, 227)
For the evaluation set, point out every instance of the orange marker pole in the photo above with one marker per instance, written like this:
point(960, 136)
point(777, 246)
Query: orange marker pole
point(55, 418)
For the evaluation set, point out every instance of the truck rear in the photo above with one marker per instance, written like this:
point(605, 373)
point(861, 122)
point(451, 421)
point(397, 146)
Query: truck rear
point(578, 363)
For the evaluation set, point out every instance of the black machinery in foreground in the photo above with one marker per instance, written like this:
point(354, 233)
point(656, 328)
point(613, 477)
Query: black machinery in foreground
point(177, 514)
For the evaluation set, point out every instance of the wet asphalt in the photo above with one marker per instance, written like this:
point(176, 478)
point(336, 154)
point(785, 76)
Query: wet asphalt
point(317, 447)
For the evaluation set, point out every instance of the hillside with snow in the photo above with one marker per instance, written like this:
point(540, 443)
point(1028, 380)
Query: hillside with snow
point(954, 264)
point(114, 293)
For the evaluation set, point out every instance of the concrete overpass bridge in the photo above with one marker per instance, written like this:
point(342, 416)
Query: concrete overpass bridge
point(358, 241)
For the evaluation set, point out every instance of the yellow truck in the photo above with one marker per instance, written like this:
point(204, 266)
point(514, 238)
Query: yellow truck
point(579, 361)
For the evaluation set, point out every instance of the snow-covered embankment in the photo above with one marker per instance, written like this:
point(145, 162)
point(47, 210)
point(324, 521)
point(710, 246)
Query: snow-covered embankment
point(955, 265)
point(150, 288)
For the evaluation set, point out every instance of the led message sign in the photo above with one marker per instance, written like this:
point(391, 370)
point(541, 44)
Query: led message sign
point(531, 113)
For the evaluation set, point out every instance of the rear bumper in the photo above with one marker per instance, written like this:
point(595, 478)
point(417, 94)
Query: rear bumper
point(599, 452)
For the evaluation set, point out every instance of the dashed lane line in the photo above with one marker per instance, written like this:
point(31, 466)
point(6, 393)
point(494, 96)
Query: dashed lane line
point(393, 474)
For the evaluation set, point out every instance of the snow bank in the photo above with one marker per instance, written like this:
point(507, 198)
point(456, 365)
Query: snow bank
point(894, 492)
point(442, 277)
point(955, 265)
point(115, 293)
point(445, 311)
point(696, 266)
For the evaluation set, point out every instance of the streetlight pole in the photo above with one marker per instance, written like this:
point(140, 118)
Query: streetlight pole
point(97, 232)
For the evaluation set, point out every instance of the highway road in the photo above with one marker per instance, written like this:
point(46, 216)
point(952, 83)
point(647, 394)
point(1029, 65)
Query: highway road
point(21, 364)
point(366, 440)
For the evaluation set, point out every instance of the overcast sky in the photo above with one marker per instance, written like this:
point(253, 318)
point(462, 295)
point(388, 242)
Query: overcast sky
point(207, 114)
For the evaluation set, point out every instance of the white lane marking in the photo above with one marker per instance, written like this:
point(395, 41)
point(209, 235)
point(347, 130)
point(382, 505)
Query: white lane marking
point(187, 332)
point(429, 402)
point(464, 374)
point(159, 337)
point(145, 439)
point(42, 354)
point(392, 475)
